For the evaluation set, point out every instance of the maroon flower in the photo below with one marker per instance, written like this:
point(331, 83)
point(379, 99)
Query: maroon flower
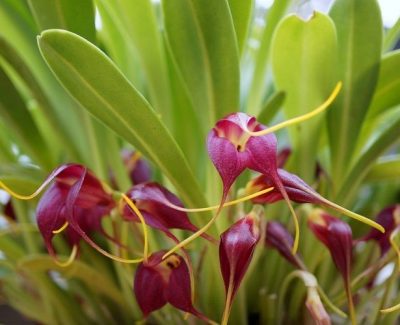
point(159, 209)
point(235, 253)
point(336, 235)
point(62, 206)
point(300, 192)
point(388, 218)
point(279, 238)
point(158, 282)
point(138, 168)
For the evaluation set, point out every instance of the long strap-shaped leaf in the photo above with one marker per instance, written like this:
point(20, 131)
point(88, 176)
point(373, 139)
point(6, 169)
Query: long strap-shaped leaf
point(96, 83)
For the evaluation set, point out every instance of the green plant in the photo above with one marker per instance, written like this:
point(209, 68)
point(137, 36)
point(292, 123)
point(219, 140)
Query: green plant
point(156, 78)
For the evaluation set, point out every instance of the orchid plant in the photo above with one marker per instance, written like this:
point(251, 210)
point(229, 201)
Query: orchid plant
point(183, 161)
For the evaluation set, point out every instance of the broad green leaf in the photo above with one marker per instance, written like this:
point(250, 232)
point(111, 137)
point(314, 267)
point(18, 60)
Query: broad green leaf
point(77, 270)
point(74, 15)
point(359, 33)
point(387, 168)
point(303, 55)
point(258, 85)
point(202, 39)
point(95, 82)
point(387, 93)
point(141, 25)
point(17, 118)
point(241, 11)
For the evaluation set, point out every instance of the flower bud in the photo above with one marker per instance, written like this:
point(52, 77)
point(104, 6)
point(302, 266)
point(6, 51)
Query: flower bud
point(138, 168)
point(279, 238)
point(336, 235)
point(236, 250)
point(388, 218)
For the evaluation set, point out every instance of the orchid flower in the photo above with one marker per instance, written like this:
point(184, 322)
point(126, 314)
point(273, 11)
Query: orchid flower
point(159, 209)
point(160, 281)
point(76, 201)
point(300, 192)
point(336, 235)
point(239, 142)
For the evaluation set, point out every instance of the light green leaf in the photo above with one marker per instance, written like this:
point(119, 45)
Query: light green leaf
point(23, 179)
point(391, 37)
point(361, 167)
point(20, 50)
point(77, 270)
point(241, 11)
point(95, 82)
point(303, 55)
point(387, 93)
point(359, 31)
point(387, 168)
point(271, 107)
point(74, 15)
point(202, 39)
point(18, 119)
point(258, 85)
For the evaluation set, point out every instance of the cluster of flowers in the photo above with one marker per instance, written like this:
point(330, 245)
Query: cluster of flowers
point(76, 201)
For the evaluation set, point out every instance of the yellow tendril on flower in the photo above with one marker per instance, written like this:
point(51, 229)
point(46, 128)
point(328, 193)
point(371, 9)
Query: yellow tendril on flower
point(142, 221)
point(209, 224)
point(61, 229)
point(20, 196)
point(229, 203)
point(70, 259)
point(301, 118)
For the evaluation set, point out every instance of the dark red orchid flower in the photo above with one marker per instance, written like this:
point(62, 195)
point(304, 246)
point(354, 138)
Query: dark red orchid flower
point(336, 235)
point(160, 281)
point(138, 168)
point(388, 218)
point(83, 213)
point(159, 209)
point(279, 238)
point(298, 191)
point(236, 250)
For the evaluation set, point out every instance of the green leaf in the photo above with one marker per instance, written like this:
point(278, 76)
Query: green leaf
point(141, 25)
point(19, 49)
point(359, 33)
point(361, 167)
point(258, 85)
point(391, 37)
point(241, 11)
point(77, 270)
point(23, 179)
point(74, 15)
point(95, 82)
point(387, 93)
point(387, 168)
point(303, 55)
point(18, 119)
point(202, 39)
point(271, 107)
